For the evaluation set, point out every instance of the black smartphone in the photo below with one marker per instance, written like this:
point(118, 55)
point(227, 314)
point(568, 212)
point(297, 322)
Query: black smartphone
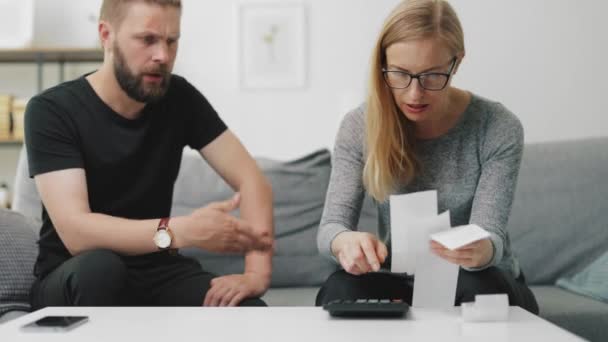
point(55, 323)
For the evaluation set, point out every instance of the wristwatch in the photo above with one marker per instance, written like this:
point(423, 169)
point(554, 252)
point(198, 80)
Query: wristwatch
point(163, 236)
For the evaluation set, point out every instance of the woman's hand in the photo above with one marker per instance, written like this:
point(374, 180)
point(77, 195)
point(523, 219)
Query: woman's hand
point(359, 252)
point(474, 255)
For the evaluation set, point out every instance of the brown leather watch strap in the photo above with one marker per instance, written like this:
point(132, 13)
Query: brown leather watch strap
point(164, 223)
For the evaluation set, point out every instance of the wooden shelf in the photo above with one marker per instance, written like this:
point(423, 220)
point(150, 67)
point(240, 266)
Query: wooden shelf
point(35, 55)
point(10, 142)
point(41, 55)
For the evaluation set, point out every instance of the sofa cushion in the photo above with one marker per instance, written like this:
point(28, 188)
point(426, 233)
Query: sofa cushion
point(580, 315)
point(26, 199)
point(299, 193)
point(558, 223)
point(591, 281)
point(18, 252)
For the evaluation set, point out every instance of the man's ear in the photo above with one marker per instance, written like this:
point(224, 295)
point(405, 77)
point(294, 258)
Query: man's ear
point(105, 35)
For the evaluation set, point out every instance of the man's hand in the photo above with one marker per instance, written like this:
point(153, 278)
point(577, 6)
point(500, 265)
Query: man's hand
point(359, 252)
point(230, 290)
point(474, 255)
point(212, 228)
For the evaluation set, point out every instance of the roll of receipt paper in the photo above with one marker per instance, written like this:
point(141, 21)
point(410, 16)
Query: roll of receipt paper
point(486, 308)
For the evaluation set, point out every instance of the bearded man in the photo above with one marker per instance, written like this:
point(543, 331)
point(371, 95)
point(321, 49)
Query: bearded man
point(105, 151)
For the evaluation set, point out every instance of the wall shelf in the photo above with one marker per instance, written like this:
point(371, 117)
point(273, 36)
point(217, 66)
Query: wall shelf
point(10, 142)
point(40, 56)
point(56, 55)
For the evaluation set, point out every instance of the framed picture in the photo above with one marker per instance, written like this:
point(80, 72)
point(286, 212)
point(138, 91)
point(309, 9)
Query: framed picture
point(272, 45)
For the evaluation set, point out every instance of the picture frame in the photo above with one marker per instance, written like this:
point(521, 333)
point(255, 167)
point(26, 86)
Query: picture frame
point(272, 45)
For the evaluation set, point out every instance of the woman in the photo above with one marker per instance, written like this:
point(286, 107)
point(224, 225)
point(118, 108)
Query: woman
point(417, 132)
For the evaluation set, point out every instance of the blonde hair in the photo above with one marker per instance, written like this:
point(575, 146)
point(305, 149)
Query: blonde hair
point(113, 12)
point(390, 159)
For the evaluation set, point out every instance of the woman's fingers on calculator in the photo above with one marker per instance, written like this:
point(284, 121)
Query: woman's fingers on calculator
point(367, 245)
point(352, 268)
point(361, 253)
point(381, 251)
point(361, 259)
point(356, 270)
point(349, 263)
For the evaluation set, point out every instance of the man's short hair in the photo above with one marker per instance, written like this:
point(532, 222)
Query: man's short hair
point(113, 12)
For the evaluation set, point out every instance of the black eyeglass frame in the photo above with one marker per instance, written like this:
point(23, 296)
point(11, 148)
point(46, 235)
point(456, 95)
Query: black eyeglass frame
point(448, 75)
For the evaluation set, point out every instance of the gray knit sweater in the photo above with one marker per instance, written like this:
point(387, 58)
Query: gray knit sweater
point(473, 167)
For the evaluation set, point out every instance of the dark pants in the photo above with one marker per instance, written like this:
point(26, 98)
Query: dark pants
point(104, 278)
point(342, 285)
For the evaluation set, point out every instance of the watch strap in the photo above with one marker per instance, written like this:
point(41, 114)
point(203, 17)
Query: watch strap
point(163, 224)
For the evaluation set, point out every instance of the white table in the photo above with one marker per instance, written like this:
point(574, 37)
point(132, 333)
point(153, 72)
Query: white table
point(309, 324)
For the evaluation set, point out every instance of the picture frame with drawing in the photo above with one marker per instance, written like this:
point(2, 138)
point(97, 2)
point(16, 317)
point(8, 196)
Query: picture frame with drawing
point(272, 45)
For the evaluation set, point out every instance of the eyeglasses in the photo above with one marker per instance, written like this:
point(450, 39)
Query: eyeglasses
point(428, 80)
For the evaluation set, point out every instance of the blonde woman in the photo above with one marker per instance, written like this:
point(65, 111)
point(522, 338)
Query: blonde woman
point(417, 132)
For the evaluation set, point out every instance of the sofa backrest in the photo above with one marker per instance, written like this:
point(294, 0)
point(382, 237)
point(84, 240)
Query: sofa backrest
point(558, 225)
point(559, 220)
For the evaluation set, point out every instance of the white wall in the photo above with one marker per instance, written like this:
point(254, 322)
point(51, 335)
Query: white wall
point(545, 60)
point(540, 58)
point(284, 123)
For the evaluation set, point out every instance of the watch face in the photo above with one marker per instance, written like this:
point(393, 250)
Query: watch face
point(162, 239)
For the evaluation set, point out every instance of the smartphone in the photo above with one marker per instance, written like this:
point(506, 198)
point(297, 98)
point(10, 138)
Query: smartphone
point(56, 323)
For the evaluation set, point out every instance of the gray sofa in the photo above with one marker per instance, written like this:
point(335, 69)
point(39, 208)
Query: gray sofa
point(558, 226)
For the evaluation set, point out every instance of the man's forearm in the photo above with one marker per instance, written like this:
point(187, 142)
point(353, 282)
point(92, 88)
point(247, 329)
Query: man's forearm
point(89, 231)
point(256, 208)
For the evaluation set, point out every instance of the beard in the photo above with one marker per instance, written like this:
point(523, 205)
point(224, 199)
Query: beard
point(133, 85)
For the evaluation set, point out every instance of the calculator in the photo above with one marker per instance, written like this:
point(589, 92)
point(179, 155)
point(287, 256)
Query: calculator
point(367, 308)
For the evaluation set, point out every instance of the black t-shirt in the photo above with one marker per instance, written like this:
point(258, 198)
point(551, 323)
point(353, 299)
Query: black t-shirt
point(130, 165)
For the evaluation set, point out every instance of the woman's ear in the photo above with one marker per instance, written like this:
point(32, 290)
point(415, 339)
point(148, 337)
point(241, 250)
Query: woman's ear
point(459, 58)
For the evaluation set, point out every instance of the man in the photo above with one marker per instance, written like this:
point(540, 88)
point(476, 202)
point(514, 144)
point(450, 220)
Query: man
point(105, 151)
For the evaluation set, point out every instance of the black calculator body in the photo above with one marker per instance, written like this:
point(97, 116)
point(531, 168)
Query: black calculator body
point(367, 308)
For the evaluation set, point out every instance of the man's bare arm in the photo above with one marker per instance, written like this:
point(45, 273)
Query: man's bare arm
point(229, 158)
point(64, 194)
point(65, 197)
